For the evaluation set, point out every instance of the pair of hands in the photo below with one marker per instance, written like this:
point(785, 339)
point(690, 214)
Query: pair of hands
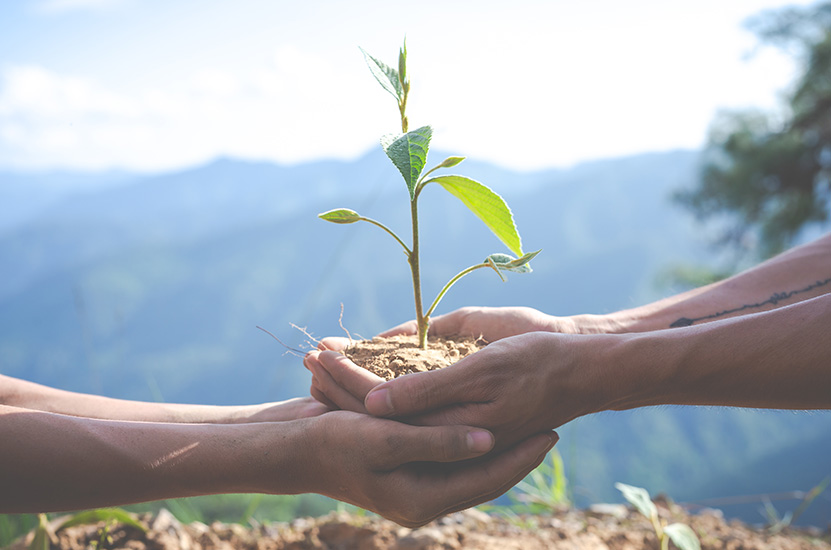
point(505, 390)
point(527, 380)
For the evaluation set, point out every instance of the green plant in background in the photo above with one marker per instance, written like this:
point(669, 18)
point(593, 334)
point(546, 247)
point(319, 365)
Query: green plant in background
point(408, 152)
point(544, 490)
point(680, 534)
point(776, 522)
point(43, 535)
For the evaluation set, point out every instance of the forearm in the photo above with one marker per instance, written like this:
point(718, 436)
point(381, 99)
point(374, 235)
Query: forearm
point(776, 359)
point(28, 395)
point(796, 275)
point(53, 462)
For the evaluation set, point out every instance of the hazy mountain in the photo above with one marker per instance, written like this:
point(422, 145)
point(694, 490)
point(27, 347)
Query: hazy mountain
point(151, 287)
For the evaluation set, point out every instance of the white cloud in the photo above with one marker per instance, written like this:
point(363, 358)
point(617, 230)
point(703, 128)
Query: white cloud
point(57, 7)
point(282, 111)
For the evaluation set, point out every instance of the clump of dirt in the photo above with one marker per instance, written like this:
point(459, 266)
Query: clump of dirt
point(603, 527)
point(399, 355)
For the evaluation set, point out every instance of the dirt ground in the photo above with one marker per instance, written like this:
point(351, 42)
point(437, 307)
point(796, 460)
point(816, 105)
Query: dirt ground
point(613, 527)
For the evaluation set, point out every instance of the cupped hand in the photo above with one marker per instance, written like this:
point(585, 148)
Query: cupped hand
point(514, 387)
point(489, 323)
point(413, 474)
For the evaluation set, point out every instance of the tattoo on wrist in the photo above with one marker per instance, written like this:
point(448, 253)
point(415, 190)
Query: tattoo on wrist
point(773, 300)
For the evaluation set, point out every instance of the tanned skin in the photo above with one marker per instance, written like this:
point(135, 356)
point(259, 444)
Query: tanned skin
point(758, 339)
point(67, 451)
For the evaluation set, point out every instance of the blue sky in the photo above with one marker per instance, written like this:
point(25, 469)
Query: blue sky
point(154, 85)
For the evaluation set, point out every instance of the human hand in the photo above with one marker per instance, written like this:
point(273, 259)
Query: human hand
point(489, 323)
point(514, 387)
point(412, 474)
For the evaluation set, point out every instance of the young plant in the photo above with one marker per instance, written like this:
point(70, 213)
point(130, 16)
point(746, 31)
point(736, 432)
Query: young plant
point(408, 152)
point(681, 535)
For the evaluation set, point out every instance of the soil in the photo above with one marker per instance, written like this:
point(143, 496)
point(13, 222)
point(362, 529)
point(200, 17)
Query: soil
point(602, 527)
point(399, 355)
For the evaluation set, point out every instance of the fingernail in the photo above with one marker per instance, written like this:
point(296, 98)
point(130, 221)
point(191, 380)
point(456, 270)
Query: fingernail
point(479, 441)
point(379, 402)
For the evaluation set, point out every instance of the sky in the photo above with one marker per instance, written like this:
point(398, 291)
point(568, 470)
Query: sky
point(159, 85)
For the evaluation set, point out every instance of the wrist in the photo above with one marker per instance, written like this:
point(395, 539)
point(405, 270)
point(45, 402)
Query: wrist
point(595, 324)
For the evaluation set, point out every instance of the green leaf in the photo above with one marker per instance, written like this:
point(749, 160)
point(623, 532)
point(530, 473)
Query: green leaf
point(509, 263)
point(408, 153)
point(402, 65)
point(682, 536)
point(449, 162)
point(386, 76)
point(41, 540)
point(488, 207)
point(492, 262)
point(102, 514)
point(639, 498)
point(340, 215)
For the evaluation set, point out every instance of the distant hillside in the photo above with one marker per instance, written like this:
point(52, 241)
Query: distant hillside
point(150, 287)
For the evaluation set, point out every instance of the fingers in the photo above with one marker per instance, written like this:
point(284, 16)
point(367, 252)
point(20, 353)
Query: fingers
point(499, 474)
point(347, 375)
point(436, 443)
point(420, 392)
point(461, 486)
point(326, 390)
point(410, 327)
point(334, 343)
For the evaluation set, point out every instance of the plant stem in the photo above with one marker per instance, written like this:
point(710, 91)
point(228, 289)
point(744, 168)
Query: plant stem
point(421, 319)
point(450, 283)
point(388, 230)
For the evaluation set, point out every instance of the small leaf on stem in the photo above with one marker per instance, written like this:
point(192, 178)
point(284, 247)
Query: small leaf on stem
point(639, 498)
point(450, 162)
point(683, 536)
point(386, 76)
point(408, 153)
point(509, 263)
point(340, 215)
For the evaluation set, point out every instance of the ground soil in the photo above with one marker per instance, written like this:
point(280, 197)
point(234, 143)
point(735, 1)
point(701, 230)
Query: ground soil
point(605, 527)
point(399, 355)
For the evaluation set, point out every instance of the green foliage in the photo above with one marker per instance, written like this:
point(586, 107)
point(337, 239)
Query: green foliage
point(768, 175)
point(41, 540)
point(408, 152)
point(544, 490)
point(680, 534)
point(487, 205)
point(776, 522)
point(107, 515)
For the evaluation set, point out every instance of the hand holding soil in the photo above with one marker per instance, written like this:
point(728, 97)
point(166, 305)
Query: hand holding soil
point(515, 387)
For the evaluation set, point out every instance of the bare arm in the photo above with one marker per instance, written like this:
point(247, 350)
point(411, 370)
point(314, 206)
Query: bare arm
point(28, 395)
point(799, 274)
point(53, 462)
point(540, 380)
point(778, 359)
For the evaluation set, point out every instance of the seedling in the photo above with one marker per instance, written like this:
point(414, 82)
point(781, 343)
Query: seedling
point(680, 534)
point(408, 152)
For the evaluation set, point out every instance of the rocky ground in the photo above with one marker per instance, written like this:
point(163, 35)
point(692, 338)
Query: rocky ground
point(611, 527)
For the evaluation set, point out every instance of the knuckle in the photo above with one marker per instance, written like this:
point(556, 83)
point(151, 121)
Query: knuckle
point(446, 444)
point(419, 393)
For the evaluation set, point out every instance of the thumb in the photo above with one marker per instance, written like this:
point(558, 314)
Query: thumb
point(419, 392)
point(441, 443)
